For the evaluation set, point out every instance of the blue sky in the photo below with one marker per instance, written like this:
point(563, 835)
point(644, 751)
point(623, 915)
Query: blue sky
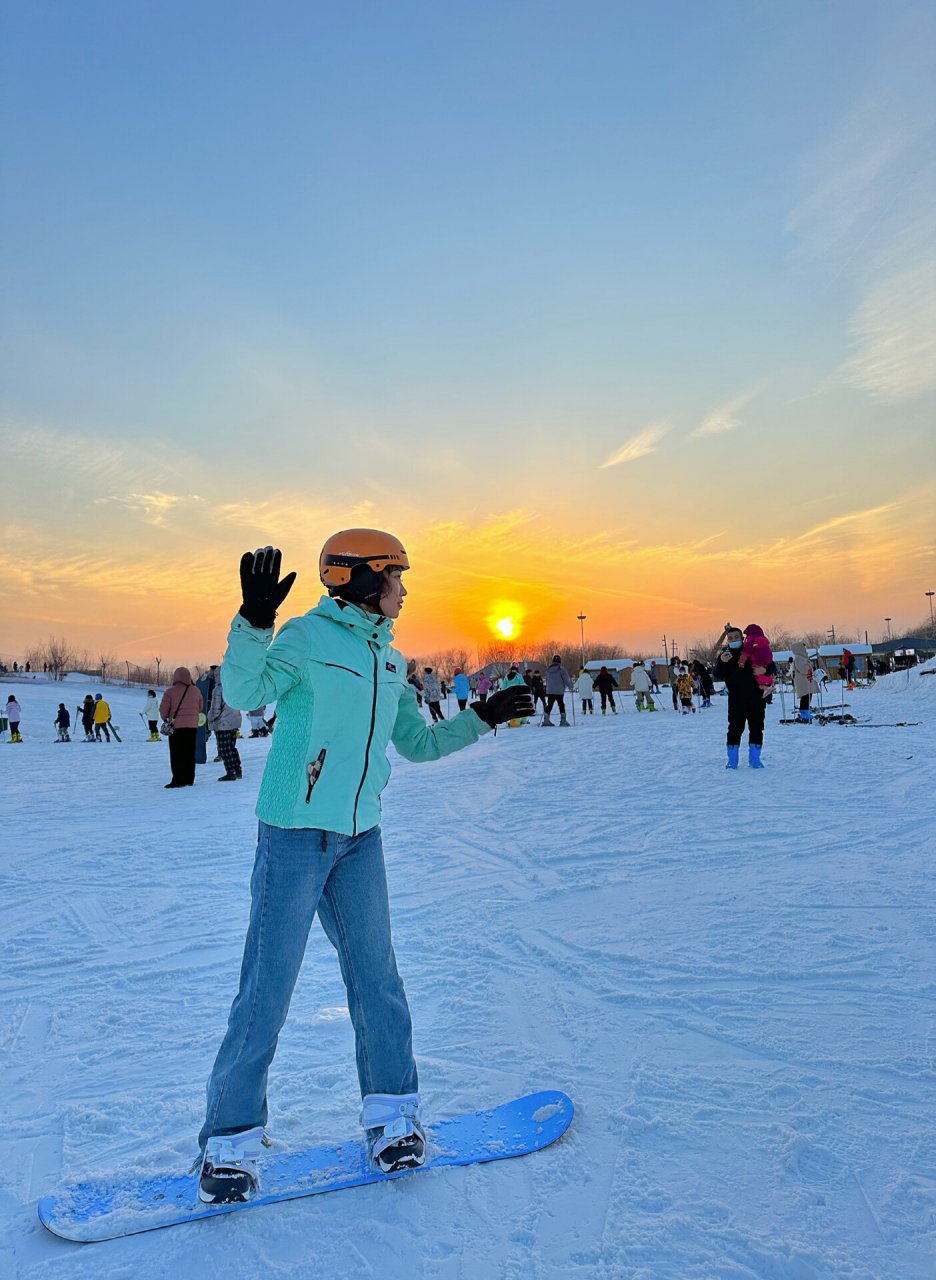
point(448, 259)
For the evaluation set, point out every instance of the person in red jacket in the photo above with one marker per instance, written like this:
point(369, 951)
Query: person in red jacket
point(182, 705)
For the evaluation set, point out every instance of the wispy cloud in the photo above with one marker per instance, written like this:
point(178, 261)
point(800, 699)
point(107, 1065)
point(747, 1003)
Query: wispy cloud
point(726, 417)
point(155, 507)
point(637, 446)
point(869, 215)
point(894, 335)
point(97, 460)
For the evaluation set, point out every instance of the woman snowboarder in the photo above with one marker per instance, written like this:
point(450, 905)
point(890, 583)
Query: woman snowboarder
point(342, 696)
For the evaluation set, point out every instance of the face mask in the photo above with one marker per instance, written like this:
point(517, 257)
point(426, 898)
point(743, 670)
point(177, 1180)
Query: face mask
point(735, 644)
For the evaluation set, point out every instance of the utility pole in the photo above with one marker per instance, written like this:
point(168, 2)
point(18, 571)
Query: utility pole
point(929, 595)
point(581, 621)
point(888, 621)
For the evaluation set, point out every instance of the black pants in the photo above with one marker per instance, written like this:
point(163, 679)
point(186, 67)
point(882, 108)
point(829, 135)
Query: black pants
point(182, 756)
point(227, 747)
point(804, 702)
point(436, 712)
point(462, 703)
point(153, 725)
point(606, 697)
point(750, 714)
point(555, 699)
point(97, 731)
point(588, 704)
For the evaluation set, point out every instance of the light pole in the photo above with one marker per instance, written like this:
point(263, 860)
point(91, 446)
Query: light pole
point(831, 632)
point(929, 595)
point(888, 621)
point(581, 620)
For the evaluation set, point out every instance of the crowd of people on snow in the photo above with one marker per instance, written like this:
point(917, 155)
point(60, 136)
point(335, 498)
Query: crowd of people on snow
point(191, 711)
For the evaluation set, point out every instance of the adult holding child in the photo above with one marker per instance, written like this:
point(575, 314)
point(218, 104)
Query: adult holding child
point(746, 706)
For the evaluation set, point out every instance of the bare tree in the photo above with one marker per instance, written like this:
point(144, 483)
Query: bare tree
point(105, 662)
point(702, 646)
point(445, 662)
point(59, 657)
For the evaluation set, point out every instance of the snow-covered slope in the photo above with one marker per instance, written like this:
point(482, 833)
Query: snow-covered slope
point(732, 975)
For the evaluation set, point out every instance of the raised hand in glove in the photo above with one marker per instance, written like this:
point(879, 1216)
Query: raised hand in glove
point(513, 703)
point(261, 587)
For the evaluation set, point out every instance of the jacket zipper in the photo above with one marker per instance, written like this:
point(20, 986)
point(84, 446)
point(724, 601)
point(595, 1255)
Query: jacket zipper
point(370, 738)
point(314, 770)
point(338, 667)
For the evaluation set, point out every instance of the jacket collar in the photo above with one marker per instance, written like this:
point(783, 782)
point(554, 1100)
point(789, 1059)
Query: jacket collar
point(362, 623)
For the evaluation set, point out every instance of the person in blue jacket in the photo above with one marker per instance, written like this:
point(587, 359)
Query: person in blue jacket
point(462, 687)
point(342, 697)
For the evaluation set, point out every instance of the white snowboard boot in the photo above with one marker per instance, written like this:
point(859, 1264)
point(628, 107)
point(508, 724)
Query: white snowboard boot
point(229, 1170)
point(394, 1129)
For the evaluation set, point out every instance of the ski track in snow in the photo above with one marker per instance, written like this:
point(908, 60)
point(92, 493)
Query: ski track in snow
point(731, 974)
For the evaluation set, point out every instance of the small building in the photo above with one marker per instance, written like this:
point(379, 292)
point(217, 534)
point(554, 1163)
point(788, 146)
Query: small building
point(829, 657)
point(906, 652)
point(619, 668)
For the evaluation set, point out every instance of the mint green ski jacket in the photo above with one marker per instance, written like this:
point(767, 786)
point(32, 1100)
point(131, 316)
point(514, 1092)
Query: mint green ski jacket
point(341, 696)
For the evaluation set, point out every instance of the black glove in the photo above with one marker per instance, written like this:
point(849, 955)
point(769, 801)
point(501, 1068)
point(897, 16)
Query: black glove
point(513, 703)
point(260, 586)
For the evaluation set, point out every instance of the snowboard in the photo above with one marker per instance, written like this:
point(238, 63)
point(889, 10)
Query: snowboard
point(104, 1209)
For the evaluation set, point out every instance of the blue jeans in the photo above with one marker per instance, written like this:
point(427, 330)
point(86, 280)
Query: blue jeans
point(297, 872)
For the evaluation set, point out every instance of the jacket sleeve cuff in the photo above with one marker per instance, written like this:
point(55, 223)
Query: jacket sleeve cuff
point(240, 623)
point(481, 725)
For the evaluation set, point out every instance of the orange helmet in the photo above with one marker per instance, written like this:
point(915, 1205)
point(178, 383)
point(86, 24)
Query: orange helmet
point(352, 548)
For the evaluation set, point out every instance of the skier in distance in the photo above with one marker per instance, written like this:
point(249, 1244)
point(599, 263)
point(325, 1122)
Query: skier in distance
point(342, 696)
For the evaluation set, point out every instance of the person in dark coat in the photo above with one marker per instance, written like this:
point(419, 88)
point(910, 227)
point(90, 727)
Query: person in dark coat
point(538, 688)
point(87, 717)
point(746, 705)
point(706, 683)
point(605, 683)
point(63, 723)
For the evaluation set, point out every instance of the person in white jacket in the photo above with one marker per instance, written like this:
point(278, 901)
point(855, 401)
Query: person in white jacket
point(585, 688)
point(805, 684)
point(150, 714)
point(641, 683)
point(432, 692)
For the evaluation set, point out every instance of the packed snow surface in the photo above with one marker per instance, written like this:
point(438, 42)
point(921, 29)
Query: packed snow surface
point(730, 973)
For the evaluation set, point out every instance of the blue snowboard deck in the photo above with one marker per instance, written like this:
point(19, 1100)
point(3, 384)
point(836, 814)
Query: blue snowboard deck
point(104, 1209)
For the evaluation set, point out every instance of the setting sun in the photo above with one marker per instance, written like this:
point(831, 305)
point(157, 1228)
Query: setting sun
point(505, 619)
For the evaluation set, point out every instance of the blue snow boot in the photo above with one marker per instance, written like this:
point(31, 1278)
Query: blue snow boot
point(805, 716)
point(733, 753)
point(754, 759)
